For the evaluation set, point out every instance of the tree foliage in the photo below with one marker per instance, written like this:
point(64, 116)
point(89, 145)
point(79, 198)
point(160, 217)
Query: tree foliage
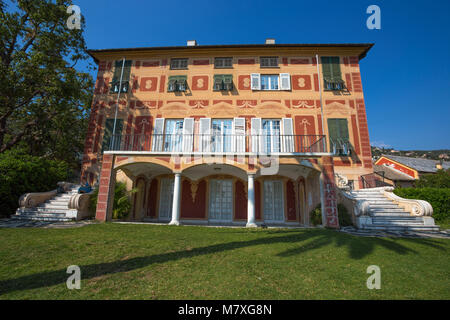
point(44, 100)
point(440, 179)
point(21, 173)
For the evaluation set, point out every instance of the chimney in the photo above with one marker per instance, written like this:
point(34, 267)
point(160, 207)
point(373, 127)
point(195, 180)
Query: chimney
point(191, 43)
point(270, 41)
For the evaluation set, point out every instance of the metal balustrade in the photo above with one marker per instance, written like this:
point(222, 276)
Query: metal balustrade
point(220, 143)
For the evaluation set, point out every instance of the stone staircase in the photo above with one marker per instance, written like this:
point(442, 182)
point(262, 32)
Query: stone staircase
point(385, 214)
point(54, 209)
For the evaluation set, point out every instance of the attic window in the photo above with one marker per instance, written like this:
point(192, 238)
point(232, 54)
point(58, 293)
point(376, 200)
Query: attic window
point(269, 62)
point(179, 63)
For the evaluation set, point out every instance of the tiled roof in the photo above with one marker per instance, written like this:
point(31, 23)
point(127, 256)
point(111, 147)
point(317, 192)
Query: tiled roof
point(419, 164)
point(391, 173)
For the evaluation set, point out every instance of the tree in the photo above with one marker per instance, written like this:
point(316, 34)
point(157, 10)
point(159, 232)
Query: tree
point(44, 100)
point(440, 179)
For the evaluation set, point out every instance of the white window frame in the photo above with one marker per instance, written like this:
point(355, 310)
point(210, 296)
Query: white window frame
point(270, 82)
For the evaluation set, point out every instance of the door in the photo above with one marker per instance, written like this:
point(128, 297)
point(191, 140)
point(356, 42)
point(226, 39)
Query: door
point(221, 200)
point(271, 135)
point(273, 201)
point(221, 135)
point(173, 135)
point(166, 199)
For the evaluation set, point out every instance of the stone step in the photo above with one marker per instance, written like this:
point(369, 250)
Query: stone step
point(42, 218)
point(41, 209)
point(402, 228)
point(384, 209)
point(389, 214)
point(41, 214)
point(399, 218)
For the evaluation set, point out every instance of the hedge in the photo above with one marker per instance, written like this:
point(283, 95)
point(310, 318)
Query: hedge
point(439, 198)
point(22, 173)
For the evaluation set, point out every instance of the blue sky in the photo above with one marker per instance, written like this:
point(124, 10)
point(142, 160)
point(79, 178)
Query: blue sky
point(406, 75)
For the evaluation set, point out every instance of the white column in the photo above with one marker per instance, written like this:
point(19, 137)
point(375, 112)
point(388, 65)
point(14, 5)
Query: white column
point(176, 200)
point(251, 202)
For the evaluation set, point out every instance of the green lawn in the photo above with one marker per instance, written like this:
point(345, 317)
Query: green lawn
point(164, 262)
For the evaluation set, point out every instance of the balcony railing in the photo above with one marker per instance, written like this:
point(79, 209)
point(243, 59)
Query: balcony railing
point(220, 143)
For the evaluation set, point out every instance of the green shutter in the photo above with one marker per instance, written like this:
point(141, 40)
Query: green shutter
point(107, 135)
point(118, 70)
point(333, 129)
point(343, 129)
point(331, 69)
point(335, 69)
point(326, 68)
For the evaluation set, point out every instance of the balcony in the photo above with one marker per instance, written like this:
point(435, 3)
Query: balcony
point(311, 145)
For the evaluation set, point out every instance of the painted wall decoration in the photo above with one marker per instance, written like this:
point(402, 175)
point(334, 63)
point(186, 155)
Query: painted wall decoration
point(301, 82)
point(148, 84)
point(200, 82)
point(244, 82)
point(305, 125)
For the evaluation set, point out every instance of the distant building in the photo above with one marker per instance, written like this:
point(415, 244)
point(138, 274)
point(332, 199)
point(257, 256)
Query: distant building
point(392, 176)
point(412, 167)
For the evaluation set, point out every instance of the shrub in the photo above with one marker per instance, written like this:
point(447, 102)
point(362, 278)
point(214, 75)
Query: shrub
point(440, 179)
point(121, 204)
point(21, 173)
point(315, 215)
point(344, 217)
point(439, 198)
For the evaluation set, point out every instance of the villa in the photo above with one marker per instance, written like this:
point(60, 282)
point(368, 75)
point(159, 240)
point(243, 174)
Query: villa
point(228, 134)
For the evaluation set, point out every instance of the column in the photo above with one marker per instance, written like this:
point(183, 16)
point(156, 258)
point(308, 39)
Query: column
point(176, 200)
point(106, 189)
point(328, 194)
point(251, 202)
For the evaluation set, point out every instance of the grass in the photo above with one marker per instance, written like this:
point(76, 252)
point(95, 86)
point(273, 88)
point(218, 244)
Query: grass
point(160, 262)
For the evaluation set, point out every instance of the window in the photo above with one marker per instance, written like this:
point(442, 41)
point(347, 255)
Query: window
point(108, 134)
point(332, 77)
point(223, 82)
point(223, 63)
point(179, 63)
point(173, 135)
point(177, 84)
point(115, 84)
point(338, 135)
point(269, 62)
point(269, 81)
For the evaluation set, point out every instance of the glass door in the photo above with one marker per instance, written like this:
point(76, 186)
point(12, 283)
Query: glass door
point(273, 201)
point(271, 135)
point(173, 135)
point(221, 135)
point(166, 199)
point(221, 200)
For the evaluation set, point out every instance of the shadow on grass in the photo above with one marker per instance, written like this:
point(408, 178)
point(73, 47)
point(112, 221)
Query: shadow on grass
point(358, 248)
